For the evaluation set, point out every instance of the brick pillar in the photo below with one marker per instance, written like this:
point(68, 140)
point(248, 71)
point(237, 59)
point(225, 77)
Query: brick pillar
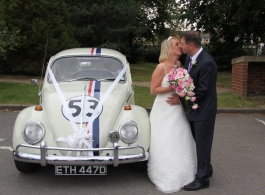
point(248, 75)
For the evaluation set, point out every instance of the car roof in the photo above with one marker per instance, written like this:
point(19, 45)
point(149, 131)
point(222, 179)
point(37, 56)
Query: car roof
point(92, 51)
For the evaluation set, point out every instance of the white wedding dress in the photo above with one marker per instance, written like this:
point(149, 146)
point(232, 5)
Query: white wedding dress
point(172, 162)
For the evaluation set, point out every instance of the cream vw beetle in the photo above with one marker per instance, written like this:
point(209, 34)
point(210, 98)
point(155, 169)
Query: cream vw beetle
point(86, 119)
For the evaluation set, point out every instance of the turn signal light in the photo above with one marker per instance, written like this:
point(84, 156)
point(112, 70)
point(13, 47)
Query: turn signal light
point(38, 108)
point(127, 107)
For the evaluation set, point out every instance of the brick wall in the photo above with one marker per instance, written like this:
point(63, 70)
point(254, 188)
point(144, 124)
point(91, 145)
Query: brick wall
point(248, 75)
point(239, 78)
point(256, 78)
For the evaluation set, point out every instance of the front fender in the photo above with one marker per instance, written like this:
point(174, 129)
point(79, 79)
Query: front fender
point(25, 116)
point(140, 116)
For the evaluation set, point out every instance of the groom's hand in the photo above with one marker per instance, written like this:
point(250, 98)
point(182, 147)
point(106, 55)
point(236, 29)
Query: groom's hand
point(173, 100)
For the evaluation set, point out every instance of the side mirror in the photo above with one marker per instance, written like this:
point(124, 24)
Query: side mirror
point(34, 81)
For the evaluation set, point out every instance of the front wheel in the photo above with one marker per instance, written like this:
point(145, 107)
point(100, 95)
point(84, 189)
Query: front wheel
point(26, 167)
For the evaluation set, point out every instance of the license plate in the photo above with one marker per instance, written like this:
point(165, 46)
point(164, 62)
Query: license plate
point(80, 170)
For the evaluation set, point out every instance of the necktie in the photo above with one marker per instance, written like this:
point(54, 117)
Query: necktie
point(190, 66)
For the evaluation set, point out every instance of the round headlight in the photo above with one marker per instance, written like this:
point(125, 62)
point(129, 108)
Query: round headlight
point(33, 132)
point(129, 132)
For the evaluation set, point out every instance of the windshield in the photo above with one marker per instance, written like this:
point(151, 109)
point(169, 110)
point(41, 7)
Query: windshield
point(82, 68)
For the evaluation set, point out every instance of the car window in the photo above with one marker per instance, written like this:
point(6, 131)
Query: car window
point(75, 68)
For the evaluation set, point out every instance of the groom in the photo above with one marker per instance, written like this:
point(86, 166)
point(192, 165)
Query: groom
point(203, 70)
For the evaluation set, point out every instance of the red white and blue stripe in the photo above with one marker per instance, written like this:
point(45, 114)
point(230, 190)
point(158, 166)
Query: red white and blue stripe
point(95, 51)
point(93, 89)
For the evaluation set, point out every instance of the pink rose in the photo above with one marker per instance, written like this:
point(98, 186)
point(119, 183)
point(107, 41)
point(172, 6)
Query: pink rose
point(181, 94)
point(195, 106)
point(186, 84)
point(179, 88)
point(190, 80)
point(180, 74)
point(171, 77)
point(181, 82)
point(190, 93)
point(174, 87)
point(193, 99)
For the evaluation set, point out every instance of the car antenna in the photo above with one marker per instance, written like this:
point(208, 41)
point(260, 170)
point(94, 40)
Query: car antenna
point(41, 81)
point(35, 81)
point(44, 61)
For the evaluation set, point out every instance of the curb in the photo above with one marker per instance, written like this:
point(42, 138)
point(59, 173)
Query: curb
point(13, 107)
point(235, 110)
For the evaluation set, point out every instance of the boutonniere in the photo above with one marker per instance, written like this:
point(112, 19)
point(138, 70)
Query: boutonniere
point(194, 63)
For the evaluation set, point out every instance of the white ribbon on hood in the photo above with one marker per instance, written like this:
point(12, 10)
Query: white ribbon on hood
point(81, 136)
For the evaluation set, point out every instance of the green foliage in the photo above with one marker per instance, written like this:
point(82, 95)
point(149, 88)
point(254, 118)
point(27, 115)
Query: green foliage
point(123, 25)
point(151, 53)
point(250, 51)
point(238, 24)
point(223, 53)
point(35, 22)
point(9, 40)
point(234, 21)
point(162, 18)
point(119, 25)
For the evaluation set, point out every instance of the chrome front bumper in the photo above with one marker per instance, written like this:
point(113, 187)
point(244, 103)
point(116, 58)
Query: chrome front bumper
point(45, 159)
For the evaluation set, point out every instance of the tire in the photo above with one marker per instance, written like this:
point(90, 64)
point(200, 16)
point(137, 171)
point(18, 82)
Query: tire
point(140, 166)
point(26, 167)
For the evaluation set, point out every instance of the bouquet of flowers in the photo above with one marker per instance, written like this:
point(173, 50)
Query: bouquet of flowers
point(180, 80)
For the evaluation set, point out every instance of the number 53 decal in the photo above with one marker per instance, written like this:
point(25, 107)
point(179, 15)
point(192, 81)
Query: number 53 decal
point(91, 106)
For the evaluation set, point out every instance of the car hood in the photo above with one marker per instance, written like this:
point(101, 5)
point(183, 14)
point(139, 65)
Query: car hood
point(73, 93)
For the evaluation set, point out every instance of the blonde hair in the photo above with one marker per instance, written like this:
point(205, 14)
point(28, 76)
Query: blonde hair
point(166, 49)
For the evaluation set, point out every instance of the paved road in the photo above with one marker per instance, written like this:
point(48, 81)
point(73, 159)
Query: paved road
point(238, 158)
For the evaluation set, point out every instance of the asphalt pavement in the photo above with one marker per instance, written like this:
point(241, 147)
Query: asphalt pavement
point(238, 158)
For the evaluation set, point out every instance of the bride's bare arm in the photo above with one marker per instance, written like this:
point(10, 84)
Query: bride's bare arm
point(156, 80)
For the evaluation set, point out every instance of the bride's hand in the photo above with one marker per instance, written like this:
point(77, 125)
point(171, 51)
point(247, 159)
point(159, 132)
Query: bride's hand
point(173, 100)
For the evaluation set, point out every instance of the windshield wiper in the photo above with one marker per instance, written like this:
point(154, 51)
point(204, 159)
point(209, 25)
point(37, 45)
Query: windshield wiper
point(109, 79)
point(89, 78)
point(83, 78)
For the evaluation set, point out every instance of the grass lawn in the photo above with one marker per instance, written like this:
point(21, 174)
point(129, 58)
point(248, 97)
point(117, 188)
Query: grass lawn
point(143, 72)
point(224, 100)
point(17, 93)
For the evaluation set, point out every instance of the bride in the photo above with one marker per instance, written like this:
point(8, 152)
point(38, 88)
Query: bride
point(172, 162)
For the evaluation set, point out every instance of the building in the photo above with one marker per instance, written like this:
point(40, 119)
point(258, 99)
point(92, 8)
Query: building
point(205, 38)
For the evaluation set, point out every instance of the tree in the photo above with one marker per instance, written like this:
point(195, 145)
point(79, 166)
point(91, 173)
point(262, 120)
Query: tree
point(162, 17)
point(8, 40)
point(232, 25)
point(34, 22)
point(114, 24)
point(124, 24)
point(234, 21)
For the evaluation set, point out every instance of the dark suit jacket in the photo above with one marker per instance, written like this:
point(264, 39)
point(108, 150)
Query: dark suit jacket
point(204, 76)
